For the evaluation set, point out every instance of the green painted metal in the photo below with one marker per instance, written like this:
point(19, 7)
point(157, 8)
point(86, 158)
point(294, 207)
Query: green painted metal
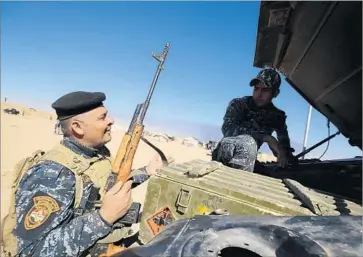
point(200, 188)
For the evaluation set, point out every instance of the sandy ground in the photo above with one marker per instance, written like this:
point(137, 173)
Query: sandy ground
point(23, 134)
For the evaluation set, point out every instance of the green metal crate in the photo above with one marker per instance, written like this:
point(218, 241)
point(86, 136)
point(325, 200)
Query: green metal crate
point(196, 188)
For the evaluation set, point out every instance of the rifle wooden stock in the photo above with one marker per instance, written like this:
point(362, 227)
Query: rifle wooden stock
point(121, 153)
point(125, 156)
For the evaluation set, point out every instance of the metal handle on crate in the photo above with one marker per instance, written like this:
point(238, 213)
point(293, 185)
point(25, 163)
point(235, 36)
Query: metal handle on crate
point(183, 201)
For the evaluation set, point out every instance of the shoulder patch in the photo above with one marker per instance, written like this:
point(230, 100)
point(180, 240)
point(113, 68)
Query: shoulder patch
point(42, 209)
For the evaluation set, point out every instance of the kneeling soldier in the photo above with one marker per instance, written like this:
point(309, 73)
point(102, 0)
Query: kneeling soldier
point(250, 121)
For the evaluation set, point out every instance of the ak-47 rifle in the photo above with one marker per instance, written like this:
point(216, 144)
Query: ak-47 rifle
point(126, 152)
point(122, 164)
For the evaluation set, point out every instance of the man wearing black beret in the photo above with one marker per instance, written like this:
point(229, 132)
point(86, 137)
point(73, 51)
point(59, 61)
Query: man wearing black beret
point(53, 199)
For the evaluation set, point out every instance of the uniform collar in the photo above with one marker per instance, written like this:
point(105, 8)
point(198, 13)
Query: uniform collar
point(80, 148)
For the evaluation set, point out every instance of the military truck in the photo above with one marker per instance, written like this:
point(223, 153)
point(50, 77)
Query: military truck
point(312, 208)
point(317, 46)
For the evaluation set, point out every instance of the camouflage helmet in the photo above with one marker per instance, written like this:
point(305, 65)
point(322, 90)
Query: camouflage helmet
point(270, 78)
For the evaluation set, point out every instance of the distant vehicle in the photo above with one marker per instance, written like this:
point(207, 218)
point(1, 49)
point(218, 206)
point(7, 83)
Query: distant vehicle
point(12, 111)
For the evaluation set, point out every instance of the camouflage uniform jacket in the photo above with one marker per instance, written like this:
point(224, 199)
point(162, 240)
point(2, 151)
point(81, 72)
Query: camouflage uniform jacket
point(244, 117)
point(63, 233)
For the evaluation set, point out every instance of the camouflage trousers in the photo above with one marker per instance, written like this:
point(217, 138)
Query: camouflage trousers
point(238, 152)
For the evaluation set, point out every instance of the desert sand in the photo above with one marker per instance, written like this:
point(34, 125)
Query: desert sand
point(32, 130)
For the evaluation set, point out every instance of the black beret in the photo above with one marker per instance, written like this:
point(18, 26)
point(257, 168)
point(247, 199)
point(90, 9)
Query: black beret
point(76, 103)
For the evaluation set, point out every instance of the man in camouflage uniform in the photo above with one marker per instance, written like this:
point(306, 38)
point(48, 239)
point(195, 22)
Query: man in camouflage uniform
point(250, 121)
point(47, 224)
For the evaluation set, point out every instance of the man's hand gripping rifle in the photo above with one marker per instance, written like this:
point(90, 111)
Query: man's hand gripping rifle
point(121, 167)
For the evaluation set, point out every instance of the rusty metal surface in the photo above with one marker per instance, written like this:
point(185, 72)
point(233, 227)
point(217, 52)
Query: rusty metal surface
point(258, 236)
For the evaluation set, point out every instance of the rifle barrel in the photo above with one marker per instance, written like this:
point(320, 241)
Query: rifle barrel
point(161, 61)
